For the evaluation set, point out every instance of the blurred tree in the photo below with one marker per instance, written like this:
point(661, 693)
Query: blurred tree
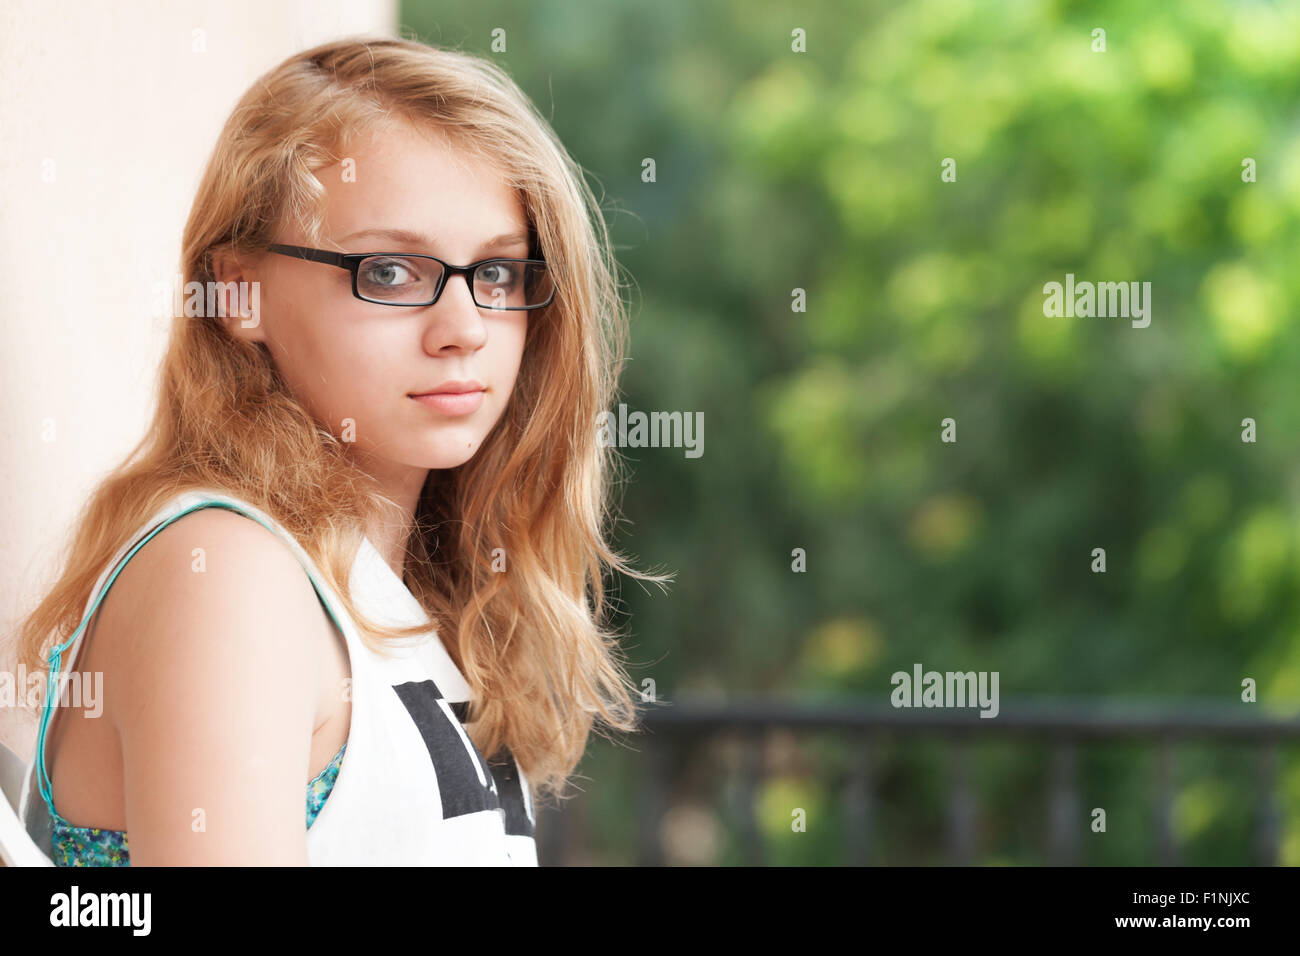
point(824, 171)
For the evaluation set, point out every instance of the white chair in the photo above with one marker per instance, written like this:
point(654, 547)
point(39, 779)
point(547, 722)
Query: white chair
point(17, 845)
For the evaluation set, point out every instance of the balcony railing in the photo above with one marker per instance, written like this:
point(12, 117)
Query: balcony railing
point(675, 730)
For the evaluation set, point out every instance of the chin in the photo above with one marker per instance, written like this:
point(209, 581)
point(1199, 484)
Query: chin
point(449, 453)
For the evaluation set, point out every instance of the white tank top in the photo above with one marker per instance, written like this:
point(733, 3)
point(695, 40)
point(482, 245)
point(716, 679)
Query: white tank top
point(412, 789)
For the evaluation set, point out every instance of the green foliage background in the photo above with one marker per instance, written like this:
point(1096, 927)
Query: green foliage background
point(779, 170)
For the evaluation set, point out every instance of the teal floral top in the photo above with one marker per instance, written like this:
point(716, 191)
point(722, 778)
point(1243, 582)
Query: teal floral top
point(91, 846)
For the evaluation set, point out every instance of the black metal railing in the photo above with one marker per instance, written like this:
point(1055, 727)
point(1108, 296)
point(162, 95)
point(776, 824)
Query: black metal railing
point(674, 730)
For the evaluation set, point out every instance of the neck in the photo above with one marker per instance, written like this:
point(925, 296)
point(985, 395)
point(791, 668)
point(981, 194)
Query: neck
point(402, 484)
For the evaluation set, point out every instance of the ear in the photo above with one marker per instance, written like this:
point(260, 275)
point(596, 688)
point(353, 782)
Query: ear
point(238, 295)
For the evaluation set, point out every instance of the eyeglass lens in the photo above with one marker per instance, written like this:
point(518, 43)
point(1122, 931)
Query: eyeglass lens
point(498, 283)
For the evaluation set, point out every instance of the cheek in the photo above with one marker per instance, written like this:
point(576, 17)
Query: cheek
point(512, 347)
point(356, 378)
point(319, 366)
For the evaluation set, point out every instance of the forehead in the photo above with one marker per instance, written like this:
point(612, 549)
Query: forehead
point(414, 179)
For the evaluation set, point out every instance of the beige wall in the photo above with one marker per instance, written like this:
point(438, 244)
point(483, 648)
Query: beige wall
point(108, 112)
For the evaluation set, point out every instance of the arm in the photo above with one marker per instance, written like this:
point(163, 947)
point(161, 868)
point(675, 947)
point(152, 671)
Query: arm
point(212, 691)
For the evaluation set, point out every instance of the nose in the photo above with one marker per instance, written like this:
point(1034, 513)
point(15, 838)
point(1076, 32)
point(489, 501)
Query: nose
point(455, 320)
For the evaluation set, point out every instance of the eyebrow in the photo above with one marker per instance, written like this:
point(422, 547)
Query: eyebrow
point(419, 239)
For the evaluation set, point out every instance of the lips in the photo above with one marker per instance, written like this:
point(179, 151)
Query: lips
point(452, 388)
point(452, 403)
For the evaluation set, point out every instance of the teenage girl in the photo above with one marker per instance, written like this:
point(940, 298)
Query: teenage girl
point(359, 554)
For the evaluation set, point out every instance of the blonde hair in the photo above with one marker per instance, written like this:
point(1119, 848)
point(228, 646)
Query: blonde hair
point(530, 642)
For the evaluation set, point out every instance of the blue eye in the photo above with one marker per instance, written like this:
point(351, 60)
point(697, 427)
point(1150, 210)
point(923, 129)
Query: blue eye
point(506, 273)
point(397, 278)
point(385, 272)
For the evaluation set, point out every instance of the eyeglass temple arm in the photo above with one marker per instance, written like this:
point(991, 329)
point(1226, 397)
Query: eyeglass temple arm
point(312, 255)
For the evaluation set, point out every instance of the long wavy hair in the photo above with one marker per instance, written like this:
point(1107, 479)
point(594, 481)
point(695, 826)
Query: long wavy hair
point(532, 642)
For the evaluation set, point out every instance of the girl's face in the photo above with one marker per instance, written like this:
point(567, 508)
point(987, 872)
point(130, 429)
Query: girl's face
point(359, 363)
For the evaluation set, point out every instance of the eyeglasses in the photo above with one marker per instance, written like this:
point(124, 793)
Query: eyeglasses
point(398, 278)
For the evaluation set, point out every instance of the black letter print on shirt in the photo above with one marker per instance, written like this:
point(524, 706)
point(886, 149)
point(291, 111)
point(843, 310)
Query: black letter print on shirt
point(465, 781)
point(510, 789)
point(510, 792)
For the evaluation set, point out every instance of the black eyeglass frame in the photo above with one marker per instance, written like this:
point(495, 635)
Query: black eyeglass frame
point(352, 262)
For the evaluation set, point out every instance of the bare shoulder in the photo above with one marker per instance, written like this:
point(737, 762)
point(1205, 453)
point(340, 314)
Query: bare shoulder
point(213, 572)
point(207, 642)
